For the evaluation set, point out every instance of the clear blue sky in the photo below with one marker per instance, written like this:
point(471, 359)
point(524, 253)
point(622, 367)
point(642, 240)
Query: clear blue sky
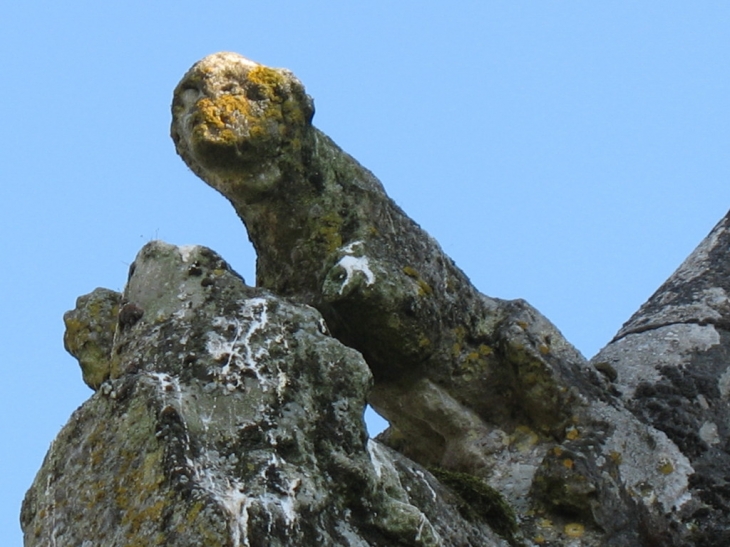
point(571, 153)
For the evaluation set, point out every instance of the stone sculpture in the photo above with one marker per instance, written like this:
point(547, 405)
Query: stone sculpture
point(249, 401)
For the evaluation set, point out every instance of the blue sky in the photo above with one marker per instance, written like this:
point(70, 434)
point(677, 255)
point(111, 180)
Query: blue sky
point(569, 153)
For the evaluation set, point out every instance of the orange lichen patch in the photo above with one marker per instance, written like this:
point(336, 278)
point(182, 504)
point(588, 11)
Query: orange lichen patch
point(558, 451)
point(270, 81)
point(568, 463)
point(572, 434)
point(223, 111)
point(574, 530)
point(273, 86)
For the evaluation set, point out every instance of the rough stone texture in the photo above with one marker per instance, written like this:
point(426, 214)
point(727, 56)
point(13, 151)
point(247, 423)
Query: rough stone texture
point(232, 418)
point(671, 364)
point(90, 333)
point(469, 383)
point(230, 415)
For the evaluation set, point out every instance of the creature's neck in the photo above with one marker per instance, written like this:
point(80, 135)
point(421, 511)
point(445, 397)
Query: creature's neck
point(312, 210)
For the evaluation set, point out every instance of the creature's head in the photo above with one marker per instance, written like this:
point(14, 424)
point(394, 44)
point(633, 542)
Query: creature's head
point(237, 123)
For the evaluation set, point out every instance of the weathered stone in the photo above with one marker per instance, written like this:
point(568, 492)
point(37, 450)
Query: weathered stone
point(228, 415)
point(235, 420)
point(470, 383)
point(89, 334)
point(672, 365)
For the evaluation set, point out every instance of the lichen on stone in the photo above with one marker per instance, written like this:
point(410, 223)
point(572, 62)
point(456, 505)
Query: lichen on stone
point(89, 335)
point(235, 420)
point(231, 415)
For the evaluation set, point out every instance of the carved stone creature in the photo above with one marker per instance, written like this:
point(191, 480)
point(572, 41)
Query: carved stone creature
point(227, 415)
point(470, 383)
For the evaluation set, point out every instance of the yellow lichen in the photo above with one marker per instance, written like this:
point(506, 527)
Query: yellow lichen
point(523, 438)
point(222, 112)
point(474, 362)
point(270, 82)
point(424, 289)
point(572, 434)
point(273, 86)
point(485, 350)
point(574, 530)
point(665, 467)
point(193, 513)
point(615, 457)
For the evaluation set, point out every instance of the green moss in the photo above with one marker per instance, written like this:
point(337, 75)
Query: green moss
point(481, 502)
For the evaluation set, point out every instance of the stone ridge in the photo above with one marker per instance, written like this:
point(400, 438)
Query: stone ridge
point(696, 293)
point(671, 363)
